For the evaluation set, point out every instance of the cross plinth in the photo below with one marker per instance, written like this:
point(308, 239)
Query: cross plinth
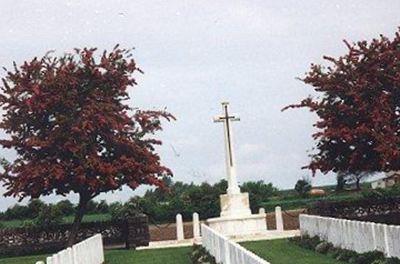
point(227, 119)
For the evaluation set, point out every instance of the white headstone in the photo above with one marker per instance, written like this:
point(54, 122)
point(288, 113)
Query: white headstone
point(179, 228)
point(278, 218)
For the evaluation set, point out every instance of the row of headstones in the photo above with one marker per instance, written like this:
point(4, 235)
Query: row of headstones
point(196, 223)
point(88, 251)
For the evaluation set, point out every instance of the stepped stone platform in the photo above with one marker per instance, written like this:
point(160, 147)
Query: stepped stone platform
point(267, 235)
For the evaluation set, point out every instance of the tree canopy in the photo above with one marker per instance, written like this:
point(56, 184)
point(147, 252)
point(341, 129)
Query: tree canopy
point(358, 106)
point(72, 131)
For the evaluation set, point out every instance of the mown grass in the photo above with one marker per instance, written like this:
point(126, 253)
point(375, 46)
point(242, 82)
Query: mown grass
point(150, 256)
point(22, 260)
point(281, 251)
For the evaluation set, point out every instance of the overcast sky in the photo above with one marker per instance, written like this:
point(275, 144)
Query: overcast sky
point(196, 54)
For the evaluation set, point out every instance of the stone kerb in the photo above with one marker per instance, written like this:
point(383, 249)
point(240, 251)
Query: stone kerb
point(353, 235)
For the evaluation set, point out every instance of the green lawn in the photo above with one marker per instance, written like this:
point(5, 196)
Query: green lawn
point(281, 251)
point(152, 256)
point(22, 260)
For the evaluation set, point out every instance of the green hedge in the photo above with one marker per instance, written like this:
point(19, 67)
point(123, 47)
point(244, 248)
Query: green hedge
point(303, 203)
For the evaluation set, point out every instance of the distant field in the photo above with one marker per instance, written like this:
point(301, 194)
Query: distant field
point(291, 203)
point(67, 219)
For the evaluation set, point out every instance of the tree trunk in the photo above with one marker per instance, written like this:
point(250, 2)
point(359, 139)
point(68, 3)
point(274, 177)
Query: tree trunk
point(83, 201)
point(358, 184)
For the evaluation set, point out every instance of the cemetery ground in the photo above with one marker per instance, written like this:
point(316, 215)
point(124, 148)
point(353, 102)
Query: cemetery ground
point(279, 251)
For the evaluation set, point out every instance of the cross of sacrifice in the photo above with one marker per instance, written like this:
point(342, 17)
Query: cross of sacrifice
point(233, 187)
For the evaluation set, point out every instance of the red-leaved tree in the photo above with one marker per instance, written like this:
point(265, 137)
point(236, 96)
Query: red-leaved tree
point(358, 106)
point(67, 120)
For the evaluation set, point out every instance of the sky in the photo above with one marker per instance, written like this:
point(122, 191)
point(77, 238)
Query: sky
point(196, 54)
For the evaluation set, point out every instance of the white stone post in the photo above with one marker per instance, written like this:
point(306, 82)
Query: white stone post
point(261, 211)
point(179, 228)
point(196, 226)
point(278, 218)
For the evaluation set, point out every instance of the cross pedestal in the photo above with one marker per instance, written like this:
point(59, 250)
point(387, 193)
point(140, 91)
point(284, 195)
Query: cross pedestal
point(236, 218)
point(235, 204)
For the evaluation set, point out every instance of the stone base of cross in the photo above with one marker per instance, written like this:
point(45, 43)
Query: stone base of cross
point(235, 204)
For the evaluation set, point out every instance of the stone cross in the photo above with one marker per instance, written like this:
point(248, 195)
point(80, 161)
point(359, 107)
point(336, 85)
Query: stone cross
point(233, 187)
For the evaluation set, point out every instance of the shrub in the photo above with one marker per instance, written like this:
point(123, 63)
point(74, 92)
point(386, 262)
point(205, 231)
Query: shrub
point(35, 206)
point(259, 192)
point(102, 207)
point(200, 255)
point(66, 207)
point(322, 247)
point(50, 216)
point(120, 211)
point(17, 212)
point(302, 187)
point(306, 242)
point(311, 243)
point(296, 240)
point(91, 207)
point(345, 255)
point(392, 261)
point(369, 257)
point(378, 261)
point(349, 256)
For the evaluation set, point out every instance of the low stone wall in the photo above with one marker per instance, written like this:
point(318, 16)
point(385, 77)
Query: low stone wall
point(353, 235)
point(361, 209)
point(33, 240)
point(23, 241)
point(290, 219)
point(168, 231)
